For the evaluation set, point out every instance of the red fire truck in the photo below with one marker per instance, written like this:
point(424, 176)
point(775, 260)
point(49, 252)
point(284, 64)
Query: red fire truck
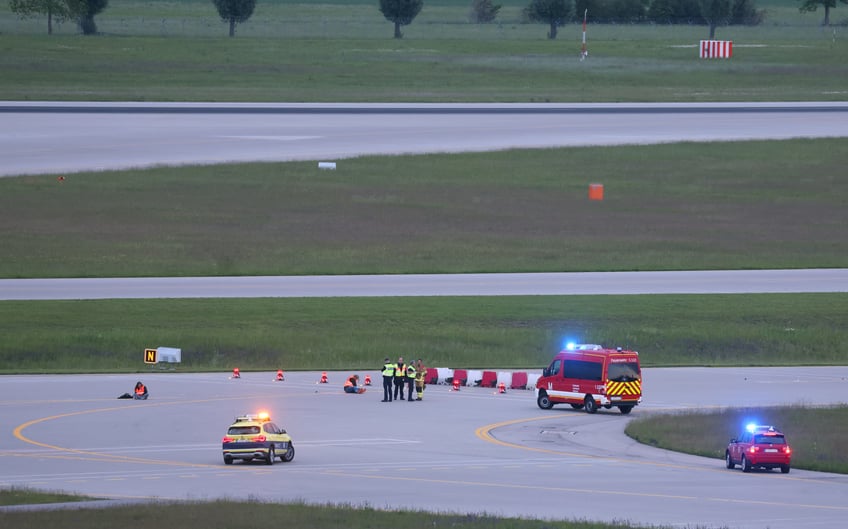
point(588, 376)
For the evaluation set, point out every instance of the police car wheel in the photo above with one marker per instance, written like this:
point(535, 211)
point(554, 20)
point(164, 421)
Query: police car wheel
point(270, 459)
point(288, 455)
point(591, 405)
point(228, 460)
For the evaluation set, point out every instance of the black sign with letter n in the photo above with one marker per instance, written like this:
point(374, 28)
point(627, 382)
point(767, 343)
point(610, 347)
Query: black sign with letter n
point(150, 356)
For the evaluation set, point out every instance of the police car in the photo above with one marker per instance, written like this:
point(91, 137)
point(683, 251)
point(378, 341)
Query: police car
point(759, 447)
point(252, 437)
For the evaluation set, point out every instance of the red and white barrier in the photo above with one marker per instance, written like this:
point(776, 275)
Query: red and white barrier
point(716, 49)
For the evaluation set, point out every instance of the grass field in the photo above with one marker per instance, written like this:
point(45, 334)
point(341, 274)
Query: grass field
point(350, 333)
point(295, 52)
point(743, 205)
point(235, 515)
point(816, 435)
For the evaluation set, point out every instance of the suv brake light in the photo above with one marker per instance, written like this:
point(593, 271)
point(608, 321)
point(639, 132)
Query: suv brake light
point(259, 438)
point(787, 450)
point(227, 439)
point(754, 449)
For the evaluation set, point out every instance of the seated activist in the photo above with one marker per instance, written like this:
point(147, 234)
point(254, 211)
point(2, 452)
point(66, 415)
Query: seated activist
point(351, 385)
point(140, 392)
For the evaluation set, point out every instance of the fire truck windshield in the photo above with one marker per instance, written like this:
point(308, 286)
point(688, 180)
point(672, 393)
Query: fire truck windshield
point(623, 372)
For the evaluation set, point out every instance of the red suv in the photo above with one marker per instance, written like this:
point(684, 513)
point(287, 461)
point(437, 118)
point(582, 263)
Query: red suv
point(759, 446)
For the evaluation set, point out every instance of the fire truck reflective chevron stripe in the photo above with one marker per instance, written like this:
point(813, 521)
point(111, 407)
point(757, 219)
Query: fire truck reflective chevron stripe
point(624, 388)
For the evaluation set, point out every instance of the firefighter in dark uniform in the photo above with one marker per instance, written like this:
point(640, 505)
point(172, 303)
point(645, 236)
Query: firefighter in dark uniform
point(388, 377)
point(400, 378)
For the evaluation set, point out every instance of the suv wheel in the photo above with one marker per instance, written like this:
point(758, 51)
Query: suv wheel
point(784, 469)
point(746, 465)
point(270, 459)
point(728, 461)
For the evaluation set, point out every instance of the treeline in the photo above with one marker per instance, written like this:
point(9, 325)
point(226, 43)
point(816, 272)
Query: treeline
point(742, 12)
point(693, 12)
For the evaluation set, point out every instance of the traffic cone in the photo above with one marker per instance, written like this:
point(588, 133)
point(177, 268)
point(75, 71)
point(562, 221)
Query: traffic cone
point(456, 384)
point(367, 380)
point(236, 373)
point(501, 388)
point(280, 376)
point(323, 378)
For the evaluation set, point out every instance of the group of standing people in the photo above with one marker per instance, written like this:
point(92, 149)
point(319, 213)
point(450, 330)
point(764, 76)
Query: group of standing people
point(397, 375)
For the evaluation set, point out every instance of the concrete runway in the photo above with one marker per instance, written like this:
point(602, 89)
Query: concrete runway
point(49, 137)
point(468, 451)
point(538, 284)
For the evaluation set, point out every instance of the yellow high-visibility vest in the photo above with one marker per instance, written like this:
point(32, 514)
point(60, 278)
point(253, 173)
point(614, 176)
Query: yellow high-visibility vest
point(389, 370)
point(410, 371)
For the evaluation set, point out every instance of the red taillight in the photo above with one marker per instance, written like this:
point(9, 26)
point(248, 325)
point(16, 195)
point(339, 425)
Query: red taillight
point(753, 449)
point(787, 450)
point(227, 439)
point(259, 438)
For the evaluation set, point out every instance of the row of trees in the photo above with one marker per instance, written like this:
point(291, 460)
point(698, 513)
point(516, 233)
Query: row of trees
point(555, 13)
point(82, 11)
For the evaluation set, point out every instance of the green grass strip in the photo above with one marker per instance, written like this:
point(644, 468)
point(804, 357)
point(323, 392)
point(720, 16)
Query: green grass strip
point(737, 205)
point(816, 435)
point(357, 333)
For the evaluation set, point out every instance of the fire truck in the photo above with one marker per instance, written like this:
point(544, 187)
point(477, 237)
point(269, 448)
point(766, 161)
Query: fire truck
point(588, 376)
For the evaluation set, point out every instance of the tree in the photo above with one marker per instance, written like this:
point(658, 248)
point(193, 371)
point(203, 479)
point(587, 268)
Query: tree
point(483, 11)
point(234, 11)
point(52, 8)
point(716, 13)
point(401, 12)
point(84, 11)
point(553, 12)
point(809, 6)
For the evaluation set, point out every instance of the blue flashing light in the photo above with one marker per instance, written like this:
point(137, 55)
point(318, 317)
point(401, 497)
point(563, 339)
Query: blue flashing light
point(570, 346)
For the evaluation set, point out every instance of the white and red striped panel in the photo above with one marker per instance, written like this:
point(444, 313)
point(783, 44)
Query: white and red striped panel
point(716, 49)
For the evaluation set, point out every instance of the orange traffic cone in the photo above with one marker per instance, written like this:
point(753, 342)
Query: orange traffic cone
point(323, 378)
point(501, 388)
point(280, 376)
point(367, 380)
point(456, 384)
point(236, 373)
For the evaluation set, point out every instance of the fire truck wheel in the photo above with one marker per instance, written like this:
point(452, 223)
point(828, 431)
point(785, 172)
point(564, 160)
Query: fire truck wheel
point(625, 409)
point(544, 401)
point(591, 405)
point(577, 406)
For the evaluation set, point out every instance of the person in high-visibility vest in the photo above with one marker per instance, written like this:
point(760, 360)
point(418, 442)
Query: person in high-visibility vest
point(400, 378)
point(388, 376)
point(410, 380)
point(351, 385)
point(420, 379)
point(140, 391)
